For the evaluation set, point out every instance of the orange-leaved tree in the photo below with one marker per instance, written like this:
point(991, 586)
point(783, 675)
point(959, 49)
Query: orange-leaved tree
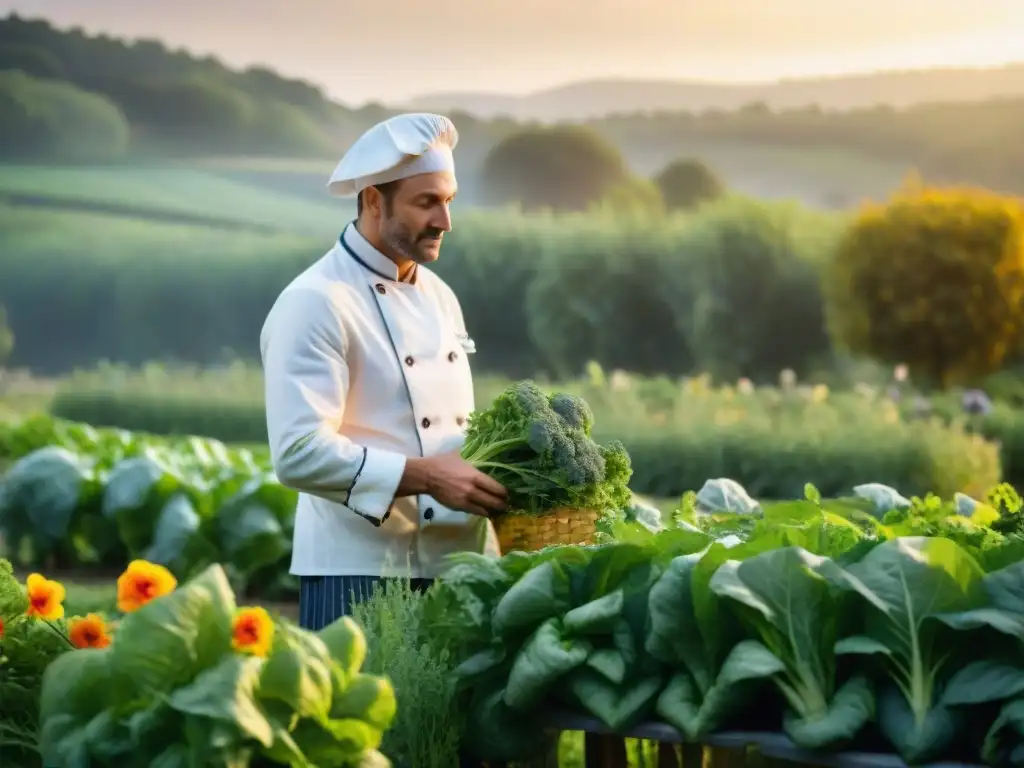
point(933, 278)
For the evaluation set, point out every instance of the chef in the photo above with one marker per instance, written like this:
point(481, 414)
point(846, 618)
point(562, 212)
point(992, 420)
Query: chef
point(368, 384)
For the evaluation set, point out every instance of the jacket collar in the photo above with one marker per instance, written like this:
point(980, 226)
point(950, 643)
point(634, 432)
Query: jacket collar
point(359, 248)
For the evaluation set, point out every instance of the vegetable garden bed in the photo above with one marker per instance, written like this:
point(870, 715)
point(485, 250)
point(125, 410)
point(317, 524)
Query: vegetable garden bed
point(802, 628)
point(805, 628)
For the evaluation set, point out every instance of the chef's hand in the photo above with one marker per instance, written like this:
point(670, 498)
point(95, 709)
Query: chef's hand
point(456, 484)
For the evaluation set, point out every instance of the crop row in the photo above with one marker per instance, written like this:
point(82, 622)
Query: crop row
point(84, 495)
point(80, 496)
point(770, 440)
point(887, 623)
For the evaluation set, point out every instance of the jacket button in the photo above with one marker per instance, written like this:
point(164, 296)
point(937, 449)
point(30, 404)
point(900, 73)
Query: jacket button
point(409, 360)
point(381, 289)
point(452, 357)
point(428, 513)
point(425, 423)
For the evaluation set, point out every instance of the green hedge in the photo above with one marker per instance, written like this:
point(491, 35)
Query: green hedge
point(773, 454)
point(731, 289)
point(243, 422)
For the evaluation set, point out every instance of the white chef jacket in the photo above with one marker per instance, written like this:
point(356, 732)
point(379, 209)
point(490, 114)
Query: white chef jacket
point(361, 371)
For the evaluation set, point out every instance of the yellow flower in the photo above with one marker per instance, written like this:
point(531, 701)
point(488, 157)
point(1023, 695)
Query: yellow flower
point(141, 582)
point(253, 631)
point(88, 632)
point(45, 598)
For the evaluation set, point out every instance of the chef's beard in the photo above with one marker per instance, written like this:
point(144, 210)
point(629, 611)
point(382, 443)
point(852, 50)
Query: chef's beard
point(414, 247)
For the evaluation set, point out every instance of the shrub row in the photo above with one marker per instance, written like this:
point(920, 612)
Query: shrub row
point(732, 288)
point(772, 452)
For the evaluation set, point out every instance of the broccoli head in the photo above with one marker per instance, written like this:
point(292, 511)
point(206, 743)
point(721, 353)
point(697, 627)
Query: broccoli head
point(573, 411)
point(540, 449)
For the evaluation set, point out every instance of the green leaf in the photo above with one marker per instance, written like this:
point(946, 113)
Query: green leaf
point(1003, 741)
point(848, 712)
point(108, 738)
point(748, 660)
point(860, 645)
point(368, 698)
point(226, 693)
point(284, 750)
point(63, 741)
point(168, 641)
point(158, 723)
point(985, 680)
point(980, 618)
point(335, 742)
point(696, 713)
point(783, 596)
point(617, 706)
point(134, 493)
point(539, 595)
point(76, 683)
point(75, 689)
point(675, 637)
point(251, 524)
point(542, 662)
point(596, 617)
point(609, 663)
point(175, 756)
point(177, 524)
point(40, 494)
point(917, 738)
point(347, 645)
point(373, 759)
point(904, 584)
point(298, 672)
point(1005, 610)
point(480, 663)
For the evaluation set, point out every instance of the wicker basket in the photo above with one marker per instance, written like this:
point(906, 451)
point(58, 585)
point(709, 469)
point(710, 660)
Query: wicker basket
point(528, 533)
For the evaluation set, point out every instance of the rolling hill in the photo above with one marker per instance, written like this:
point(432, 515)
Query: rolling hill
point(598, 98)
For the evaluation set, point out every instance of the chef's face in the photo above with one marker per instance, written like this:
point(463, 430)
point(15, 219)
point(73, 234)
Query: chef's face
point(416, 214)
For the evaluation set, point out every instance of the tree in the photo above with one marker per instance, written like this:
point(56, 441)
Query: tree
point(687, 183)
point(6, 338)
point(53, 119)
point(934, 279)
point(750, 291)
point(561, 168)
point(31, 60)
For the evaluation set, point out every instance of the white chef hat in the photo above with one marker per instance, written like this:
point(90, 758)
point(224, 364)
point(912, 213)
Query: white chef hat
point(400, 147)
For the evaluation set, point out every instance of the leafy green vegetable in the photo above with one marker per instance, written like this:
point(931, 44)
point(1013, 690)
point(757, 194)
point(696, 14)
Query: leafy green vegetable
point(539, 447)
point(784, 597)
point(42, 498)
point(811, 615)
point(903, 585)
point(101, 496)
point(172, 691)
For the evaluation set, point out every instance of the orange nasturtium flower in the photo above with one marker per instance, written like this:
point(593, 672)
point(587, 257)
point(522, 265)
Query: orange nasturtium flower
point(88, 632)
point(45, 598)
point(253, 631)
point(141, 582)
point(1, 627)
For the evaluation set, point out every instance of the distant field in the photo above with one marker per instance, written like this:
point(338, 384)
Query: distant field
point(34, 234)
point(288, 195)
point(256, 195)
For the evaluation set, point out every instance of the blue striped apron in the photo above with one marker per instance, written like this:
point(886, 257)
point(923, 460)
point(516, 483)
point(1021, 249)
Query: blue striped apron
point(325, 599)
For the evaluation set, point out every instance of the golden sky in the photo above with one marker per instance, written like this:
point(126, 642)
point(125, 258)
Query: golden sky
point(387, 50)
